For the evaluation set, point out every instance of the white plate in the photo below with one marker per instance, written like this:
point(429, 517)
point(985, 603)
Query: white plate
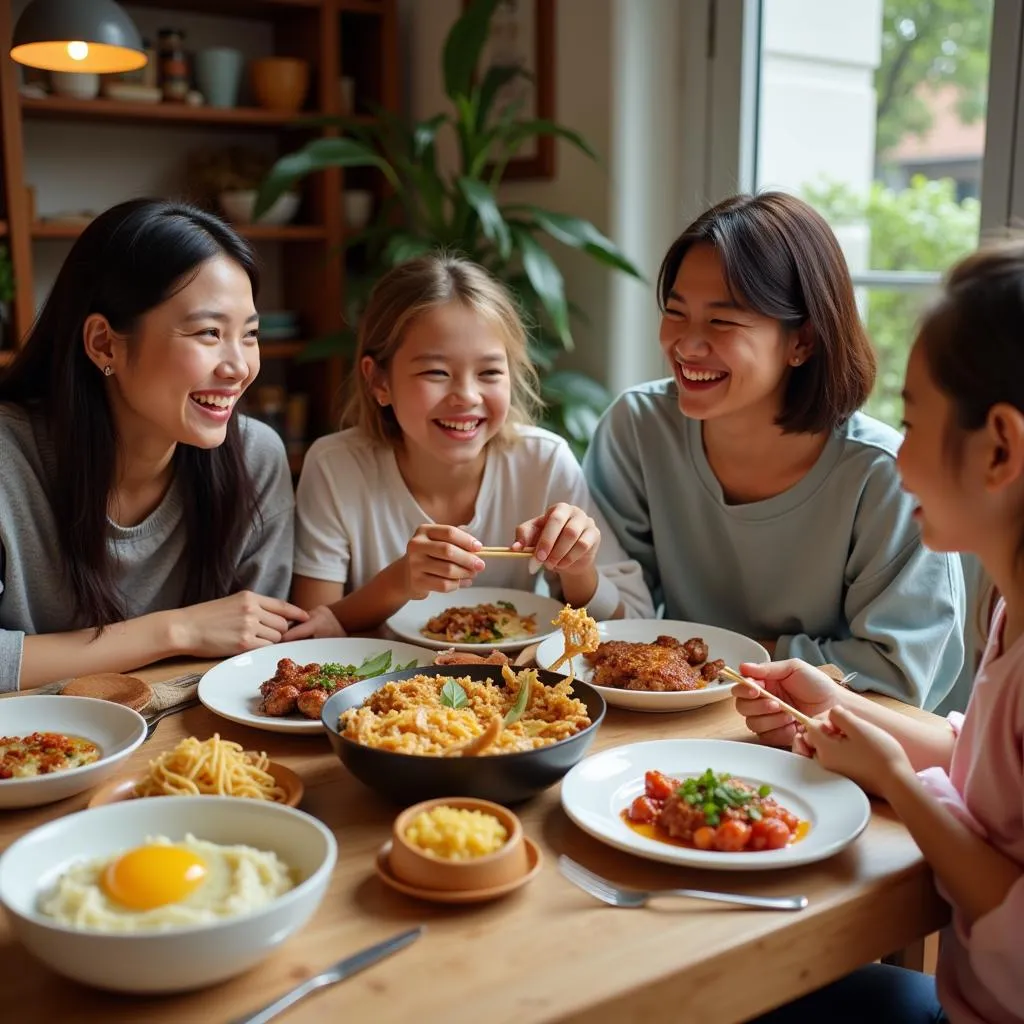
point(115, 729)
point(408, 622)
point(732, 648)
point(599, 788)
point(232, 688)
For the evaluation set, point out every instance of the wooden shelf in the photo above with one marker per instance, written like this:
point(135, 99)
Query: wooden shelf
point(254, 232)
point(3, 228)
point(236, 8)
point(6, 356)
point(159, 113)
point(281, 349)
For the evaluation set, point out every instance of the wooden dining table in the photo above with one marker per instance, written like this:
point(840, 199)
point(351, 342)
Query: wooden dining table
point(547, 952)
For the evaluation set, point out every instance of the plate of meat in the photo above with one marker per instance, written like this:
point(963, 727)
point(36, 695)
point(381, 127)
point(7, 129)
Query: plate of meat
point(282, 688)
point(657, 664)
point(715, 804)
point(475, 618)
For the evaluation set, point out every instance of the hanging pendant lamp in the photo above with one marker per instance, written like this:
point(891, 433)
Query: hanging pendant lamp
point(77, 35)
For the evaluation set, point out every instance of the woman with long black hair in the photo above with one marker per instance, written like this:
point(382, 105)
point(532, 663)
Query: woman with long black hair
point(140, 518)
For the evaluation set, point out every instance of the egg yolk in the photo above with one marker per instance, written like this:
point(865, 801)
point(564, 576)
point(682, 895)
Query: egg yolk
point(153, 876)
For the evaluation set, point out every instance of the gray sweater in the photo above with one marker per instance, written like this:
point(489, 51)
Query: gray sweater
point(34, 598)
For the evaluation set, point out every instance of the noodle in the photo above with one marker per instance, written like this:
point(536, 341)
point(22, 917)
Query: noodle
point(212, 767)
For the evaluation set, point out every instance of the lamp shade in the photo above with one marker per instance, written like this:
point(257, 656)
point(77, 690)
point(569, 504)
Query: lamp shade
point(77, 35)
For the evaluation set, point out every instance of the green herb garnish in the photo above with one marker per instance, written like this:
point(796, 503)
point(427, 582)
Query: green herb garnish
point(453, 695)
point(715, 794)
point(525, 680)
point(508, 606)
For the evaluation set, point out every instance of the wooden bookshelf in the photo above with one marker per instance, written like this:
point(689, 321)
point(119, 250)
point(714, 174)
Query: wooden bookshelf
point(354, 38)
point(6, 356)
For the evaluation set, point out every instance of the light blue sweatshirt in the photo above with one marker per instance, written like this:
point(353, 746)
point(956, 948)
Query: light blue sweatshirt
point(833, 567)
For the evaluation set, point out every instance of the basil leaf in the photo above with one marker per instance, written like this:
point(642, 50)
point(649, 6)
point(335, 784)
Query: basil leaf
point(374, 666)
point(453, 695)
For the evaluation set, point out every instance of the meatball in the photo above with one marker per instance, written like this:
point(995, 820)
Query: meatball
point(696, 650)
point(281, 701)
point(711, 670)
point(310, 702)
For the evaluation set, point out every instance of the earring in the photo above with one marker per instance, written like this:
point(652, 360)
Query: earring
point(108, 371)
point(797, 360)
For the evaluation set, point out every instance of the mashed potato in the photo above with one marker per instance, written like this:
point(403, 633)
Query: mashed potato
point(164, 884)
point(456, 833)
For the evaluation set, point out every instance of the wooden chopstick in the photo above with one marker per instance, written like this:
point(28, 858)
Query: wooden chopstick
point(798, 715)
point(505, 553)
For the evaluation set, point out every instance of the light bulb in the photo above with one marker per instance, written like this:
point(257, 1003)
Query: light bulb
point(78, 50)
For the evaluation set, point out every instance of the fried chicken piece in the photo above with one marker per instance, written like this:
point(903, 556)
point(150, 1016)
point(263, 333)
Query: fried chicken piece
point(282, 700)
point(310, 702)
point(695, 649)
point(659, 667)
point(711, 670)
point(453, 657)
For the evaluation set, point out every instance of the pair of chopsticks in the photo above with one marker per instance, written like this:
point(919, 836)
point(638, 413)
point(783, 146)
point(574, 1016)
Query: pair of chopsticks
point(803, 719)
point(505, 552)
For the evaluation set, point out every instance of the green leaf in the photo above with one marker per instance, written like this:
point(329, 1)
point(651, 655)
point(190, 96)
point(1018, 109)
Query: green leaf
point(523, 130)
point(453, 695)
point(317, 156)
point(464, 45)
point(518, 709)
point(576, 388)
point(402, 247)
point(580, 234)
point(424, 134)
point(403, 668)
point(494, 81)
point(484, 203)
point(546, 280)
point(375, 666)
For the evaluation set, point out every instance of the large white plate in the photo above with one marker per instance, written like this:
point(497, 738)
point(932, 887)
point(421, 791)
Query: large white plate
point(600, 787)
point(732, 648)
point(232, 688)
point(408, 621)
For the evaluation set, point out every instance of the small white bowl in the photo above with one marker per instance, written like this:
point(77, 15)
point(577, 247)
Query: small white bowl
point(115, 729)
point(182, 958)
point(238, 206)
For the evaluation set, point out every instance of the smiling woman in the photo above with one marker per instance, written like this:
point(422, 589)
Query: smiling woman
point(750, 488)
point(172, 516)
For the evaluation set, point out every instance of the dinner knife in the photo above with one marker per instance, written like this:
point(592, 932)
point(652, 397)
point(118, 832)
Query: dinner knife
point(332, 975)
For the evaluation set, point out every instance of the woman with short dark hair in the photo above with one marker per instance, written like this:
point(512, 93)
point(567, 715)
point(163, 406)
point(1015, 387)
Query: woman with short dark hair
point(749, 487)
point(139, 516)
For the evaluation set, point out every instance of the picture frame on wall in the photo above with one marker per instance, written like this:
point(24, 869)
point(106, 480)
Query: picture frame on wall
point(523, 35)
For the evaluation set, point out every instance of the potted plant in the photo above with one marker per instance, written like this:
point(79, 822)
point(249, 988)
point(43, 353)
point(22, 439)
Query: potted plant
point(228, 179)
point(6, 291)
point(426, 207)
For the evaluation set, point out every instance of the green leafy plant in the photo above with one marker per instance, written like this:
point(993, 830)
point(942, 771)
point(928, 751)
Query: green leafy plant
point(6, 276)
point(427, 207)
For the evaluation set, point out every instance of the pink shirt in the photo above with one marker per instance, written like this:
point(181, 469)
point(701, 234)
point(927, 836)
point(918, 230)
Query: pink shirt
point(981, 969)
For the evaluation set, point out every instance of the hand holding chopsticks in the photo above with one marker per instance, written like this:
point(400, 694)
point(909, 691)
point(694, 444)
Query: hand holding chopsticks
point(499, 552)
point(803, 719)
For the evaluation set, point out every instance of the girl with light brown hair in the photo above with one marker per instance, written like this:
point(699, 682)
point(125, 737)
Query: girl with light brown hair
point(438, 457)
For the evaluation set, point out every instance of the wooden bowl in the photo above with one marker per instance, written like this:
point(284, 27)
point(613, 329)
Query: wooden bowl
point(121, 689)
point(280, 83)
point(124, 788)
point(418, 868)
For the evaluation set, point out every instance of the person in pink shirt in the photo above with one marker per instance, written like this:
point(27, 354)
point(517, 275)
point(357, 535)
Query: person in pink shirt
point(957, 783)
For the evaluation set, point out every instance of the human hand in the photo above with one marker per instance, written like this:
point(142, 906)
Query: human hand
point(233, 625)
point(564, 538)
point(440, 559)
point(321, 623)
point(806, 688)
point(852, 746)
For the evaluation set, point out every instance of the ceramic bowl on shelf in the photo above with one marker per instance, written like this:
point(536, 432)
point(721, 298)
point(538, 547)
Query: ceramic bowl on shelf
point(239, 204)
point(358, 208)
point(280, 83)
point(79, 85)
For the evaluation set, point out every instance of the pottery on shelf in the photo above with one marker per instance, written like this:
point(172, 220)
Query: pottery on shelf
point(238, 206)
point(80, 85)
point(280, 83)
point(219, 74)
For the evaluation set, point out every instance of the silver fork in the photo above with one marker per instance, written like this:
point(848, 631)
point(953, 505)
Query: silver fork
point(616, 896)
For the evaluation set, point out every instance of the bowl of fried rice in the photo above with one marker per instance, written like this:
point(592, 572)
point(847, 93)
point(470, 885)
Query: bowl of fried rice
point(463, 730)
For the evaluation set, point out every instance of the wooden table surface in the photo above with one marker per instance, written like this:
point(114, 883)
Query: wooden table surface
point(547, 952)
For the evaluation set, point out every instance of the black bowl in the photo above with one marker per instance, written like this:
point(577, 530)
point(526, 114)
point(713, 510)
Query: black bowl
point(503, 778)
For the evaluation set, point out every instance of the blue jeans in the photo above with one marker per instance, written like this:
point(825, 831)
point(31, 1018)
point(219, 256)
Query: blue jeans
point(877, 994)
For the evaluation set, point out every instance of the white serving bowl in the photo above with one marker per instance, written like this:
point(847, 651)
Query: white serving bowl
point(182, 958)
point(115, 729)
point(238, 206)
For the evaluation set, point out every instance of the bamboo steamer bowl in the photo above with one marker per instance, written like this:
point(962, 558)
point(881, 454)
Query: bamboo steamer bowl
point(414, 866)
point(280, 83)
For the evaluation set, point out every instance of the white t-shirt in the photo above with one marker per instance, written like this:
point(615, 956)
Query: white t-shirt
point(355, 515)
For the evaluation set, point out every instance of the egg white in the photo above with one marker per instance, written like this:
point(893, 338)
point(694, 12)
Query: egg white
point(239, 880)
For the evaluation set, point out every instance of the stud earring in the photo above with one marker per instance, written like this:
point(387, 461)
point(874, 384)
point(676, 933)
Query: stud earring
point(108, 371)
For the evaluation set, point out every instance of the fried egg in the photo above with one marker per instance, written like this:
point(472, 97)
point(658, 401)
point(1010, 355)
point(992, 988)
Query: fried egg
point(164, 884)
